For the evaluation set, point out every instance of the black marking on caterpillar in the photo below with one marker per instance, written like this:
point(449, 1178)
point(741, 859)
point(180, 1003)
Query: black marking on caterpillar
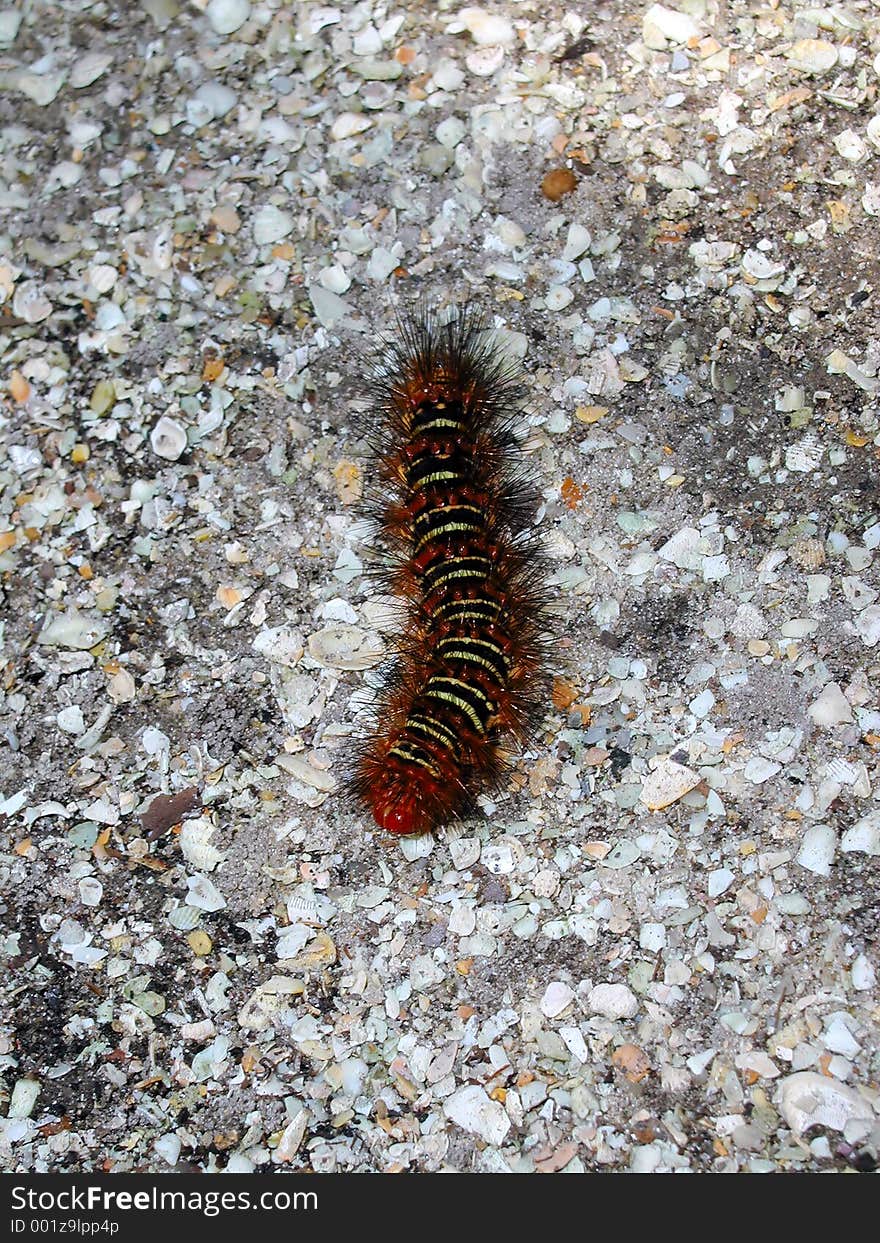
point(453, 510)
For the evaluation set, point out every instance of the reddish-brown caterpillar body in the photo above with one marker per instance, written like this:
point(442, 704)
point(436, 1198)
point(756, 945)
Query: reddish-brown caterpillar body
point(453, 508)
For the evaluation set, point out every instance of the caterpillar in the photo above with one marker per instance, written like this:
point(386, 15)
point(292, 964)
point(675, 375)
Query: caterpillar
point(453, 505)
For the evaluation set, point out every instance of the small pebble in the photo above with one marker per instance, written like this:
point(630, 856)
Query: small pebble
point(812, 55)
point(652, 937)
point(863, 973)
point(668, 783)
point(328, 306)
point(818, 848)
point(830, 707)
point(809, 1099)
point(662, 26)
point(347, 124)
point(227, 16)
point(203, 894)
point(558, 298)
point(577, 241)
point(615, 1001)
point(31, 303)
point(168, 438)
point(24, 1098)
point(863, 836)
point(485, 61)
point(487, 28)
point(271, 224)
point(867, 624)
point(211, 102)
point(558, 996)
point(472, 1109)
point(557, 183)
point(73, 629)
point(71, 720)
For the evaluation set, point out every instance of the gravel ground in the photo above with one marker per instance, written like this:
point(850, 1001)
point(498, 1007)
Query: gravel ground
point(657, 950)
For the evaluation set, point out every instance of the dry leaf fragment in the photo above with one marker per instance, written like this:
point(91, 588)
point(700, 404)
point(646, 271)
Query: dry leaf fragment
point(167, 810)
point(212, 369)
point(349, 482)
point(572, 493)
point(228, 596)
point(564, 694)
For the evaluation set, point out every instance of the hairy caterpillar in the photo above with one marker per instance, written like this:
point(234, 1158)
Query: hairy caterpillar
point(452, 505)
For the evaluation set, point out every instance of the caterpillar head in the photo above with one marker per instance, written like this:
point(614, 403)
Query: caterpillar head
point(399, 812)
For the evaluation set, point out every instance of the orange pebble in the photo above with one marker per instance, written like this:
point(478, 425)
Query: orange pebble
point(557, 183)
point(19, 387)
